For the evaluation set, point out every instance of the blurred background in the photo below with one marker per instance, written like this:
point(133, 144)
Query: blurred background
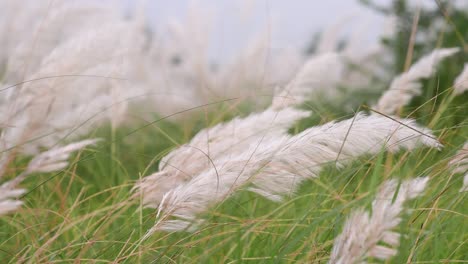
point(289, 24)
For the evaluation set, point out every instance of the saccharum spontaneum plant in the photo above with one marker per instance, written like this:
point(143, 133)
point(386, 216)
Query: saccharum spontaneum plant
point(325, 157)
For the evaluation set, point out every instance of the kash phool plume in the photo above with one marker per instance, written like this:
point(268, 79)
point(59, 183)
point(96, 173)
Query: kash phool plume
point(365, 232)
point(407, 85)
point(212, 145)
point(275, 166)
point(68, 52)
point(459, 163)
point(52, 160)
point(320, 74)
point(241, 153)
point(461, 82)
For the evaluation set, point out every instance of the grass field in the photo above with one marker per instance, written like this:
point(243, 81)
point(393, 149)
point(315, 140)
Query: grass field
point(84, 213)
point(88, 213)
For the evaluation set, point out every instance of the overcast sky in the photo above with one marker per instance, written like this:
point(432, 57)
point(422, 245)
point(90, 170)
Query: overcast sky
point(290, 23)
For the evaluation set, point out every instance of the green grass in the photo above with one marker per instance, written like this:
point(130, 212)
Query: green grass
point(84, 214)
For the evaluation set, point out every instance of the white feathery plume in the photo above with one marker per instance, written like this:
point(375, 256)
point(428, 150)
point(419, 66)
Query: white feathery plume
point(239, 132)
point(302, 156)
point(461, 82)
point(7, 204)
point(53, 108)
point(320, 74)
point(207, 188)
point(67, 52)
point(211, 145)
point(459, 163)
point(91, 47)
point(373, 234)
point(61, 21)
point(277, 164)
point(49, 161)
point(406, 85)
point(55, 158)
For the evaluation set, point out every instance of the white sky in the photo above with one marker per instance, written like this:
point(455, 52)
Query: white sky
point(290, 22)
